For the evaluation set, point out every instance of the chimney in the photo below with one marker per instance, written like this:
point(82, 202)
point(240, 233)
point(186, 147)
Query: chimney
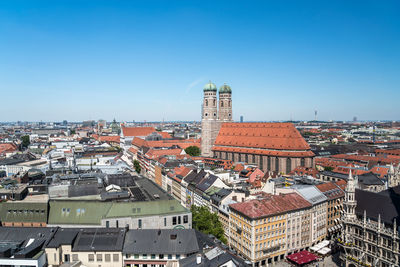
point(198, 259)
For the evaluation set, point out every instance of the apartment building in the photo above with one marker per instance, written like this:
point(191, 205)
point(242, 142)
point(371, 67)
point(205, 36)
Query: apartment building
point(258, 227)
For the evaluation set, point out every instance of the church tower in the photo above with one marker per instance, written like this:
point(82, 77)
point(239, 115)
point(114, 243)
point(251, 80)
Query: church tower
point(209, 119)
point(225, 104)
point(349, 207)
point(350, 203)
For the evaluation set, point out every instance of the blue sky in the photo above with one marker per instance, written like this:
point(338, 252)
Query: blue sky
point(148, 60)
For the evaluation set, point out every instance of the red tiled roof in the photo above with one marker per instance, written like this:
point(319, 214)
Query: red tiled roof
point(304, 171)
point(270, 205)
point(380, 171)
point(139, 142)
point(277, 136)
point(132, 150)
point(239, 167)
point(342, 184)
point(265, 152)
point(325, 187)
point(169, 143)
point(137, 131)
point(153, 153)
point(109, 138)
point(7, 147)
point(366, 158)
point(165, 135)
point(182, 171)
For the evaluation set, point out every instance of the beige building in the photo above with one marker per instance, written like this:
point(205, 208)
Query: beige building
point(258, 227)
point(89, 247)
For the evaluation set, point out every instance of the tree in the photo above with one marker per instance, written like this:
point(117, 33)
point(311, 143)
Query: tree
point(136, 164)
point(25, 141)
point(328, 168)
point(207, 222)
point(193, 151)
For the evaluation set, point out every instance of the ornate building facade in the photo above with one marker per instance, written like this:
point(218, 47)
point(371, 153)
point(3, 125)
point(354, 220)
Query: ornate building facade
point(214, 113)
point(370, 232)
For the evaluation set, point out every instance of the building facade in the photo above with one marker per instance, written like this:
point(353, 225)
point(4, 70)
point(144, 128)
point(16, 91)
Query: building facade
point(259, 227)
point(214, 113)
point(370, 235)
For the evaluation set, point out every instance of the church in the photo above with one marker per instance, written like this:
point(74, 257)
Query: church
point(275, 147)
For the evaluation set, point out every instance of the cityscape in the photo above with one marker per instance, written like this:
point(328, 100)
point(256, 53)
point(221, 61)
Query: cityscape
point(116, 152)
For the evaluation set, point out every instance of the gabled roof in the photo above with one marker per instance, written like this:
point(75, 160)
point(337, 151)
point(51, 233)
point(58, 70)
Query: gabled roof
point(206, 182)
point(109, 138)
point(137, 131)
point(277, 136)
point(139, 142)
point(270, 205)
point(330, 190)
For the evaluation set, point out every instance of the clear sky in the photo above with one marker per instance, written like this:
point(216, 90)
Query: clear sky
point(148, 60)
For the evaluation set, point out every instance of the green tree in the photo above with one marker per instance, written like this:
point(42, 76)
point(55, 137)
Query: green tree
point(328, 168)
point(136, 164)
point(25, 140)
point(207, 222)
point(193, 151)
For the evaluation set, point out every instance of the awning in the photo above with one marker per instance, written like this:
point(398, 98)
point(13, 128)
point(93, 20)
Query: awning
point(324, 251)
point(324, 243)
point(302, 257)
point(315, 248)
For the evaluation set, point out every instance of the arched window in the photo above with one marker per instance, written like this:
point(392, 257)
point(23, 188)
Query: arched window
point(229, 103)
point(206, 114)
point(206, 102)
point(288, 165)
point(276, 164)
point(214, 102)
point(222, 104)
point(302, 162)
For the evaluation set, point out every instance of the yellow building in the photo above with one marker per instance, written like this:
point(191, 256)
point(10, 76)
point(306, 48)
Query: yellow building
point(258, 227)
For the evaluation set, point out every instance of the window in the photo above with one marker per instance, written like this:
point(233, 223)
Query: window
point(75, 257)
point(115, 257)
point(107, 224)
point(161, 256)
point(153, 256)
point(179, 220)
point(165, 221)
point(169, 256)
point(140, 223)
point(99, 257)
point(91, 257)
point(107, 257)
point(174, 220)
point(178, 256)
point(136, 256)
point(144, 256)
